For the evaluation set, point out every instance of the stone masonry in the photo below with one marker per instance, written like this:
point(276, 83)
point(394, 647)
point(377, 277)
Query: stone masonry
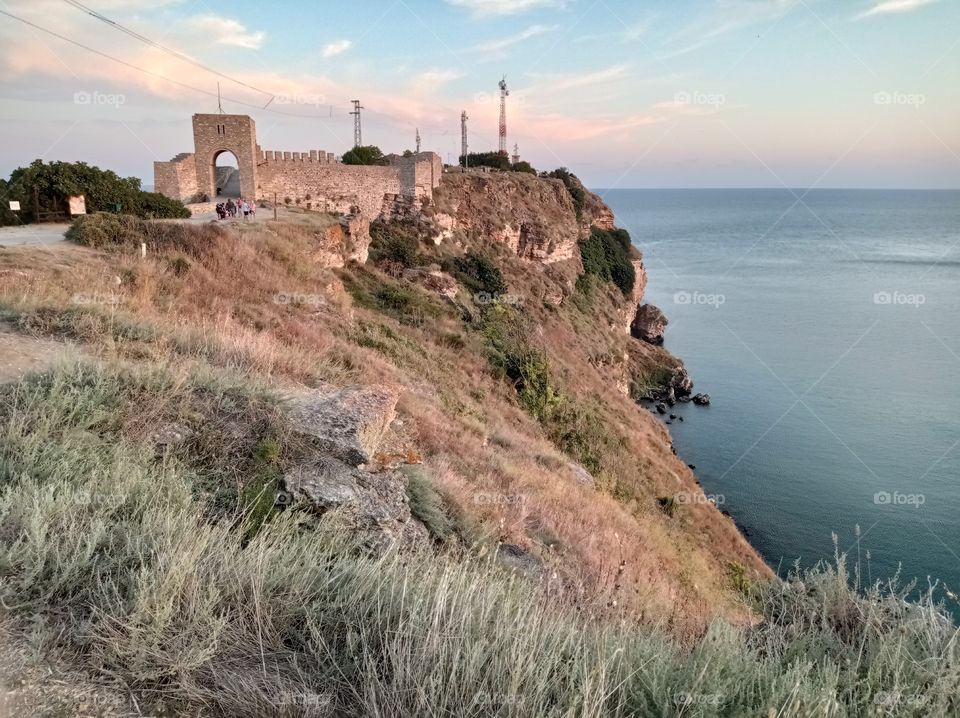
point(313, 178)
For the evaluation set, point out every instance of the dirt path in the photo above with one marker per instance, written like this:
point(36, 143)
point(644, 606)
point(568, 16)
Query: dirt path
point(20, 354)
point(32, 234)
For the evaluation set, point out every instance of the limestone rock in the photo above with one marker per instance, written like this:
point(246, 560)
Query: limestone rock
point(347, 423)
point(375, 506)
point(648, 324)
point(702, 400)
point(433, 280)
point(513, 556)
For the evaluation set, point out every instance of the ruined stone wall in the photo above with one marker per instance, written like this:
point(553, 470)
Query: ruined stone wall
point(315, 177)
point(332, 187)
point(420, 174)
point(176, 178)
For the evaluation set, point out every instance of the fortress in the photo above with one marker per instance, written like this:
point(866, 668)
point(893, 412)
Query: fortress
point(313, 178)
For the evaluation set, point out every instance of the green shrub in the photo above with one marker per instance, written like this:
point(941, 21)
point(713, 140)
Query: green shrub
point(578, 194)
point(394, 242)
point(478, 273)
point(426, 504)
point(48, 185)
point(606, 254)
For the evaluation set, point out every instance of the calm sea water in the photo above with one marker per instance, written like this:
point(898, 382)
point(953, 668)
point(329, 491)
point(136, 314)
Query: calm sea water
point(827, 332)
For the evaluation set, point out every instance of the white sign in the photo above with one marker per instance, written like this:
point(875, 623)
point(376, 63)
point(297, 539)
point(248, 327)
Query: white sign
point(14, 206)
point(78, 205)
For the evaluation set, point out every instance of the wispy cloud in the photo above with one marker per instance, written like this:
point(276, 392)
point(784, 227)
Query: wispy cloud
point(435, 78)
point(892, 7)
point(504, 7)
point(504, 42)
point(225, 31)
point(338, 47)
point(560, 83)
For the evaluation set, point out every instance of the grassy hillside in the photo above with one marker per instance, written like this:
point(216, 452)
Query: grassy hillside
point(141, 530)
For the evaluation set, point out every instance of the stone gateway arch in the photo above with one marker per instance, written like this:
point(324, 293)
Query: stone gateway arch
point(313, 178)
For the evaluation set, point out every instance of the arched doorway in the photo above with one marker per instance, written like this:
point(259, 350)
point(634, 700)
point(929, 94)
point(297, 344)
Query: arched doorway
point(226, 175)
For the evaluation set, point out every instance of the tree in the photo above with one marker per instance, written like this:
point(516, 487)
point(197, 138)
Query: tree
point(46, 186)
point(523, 166)
point(364, 155)
point(487, 159)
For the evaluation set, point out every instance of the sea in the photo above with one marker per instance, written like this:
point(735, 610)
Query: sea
point(825, 326)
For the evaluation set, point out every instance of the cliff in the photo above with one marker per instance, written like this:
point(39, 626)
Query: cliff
point(508, 423)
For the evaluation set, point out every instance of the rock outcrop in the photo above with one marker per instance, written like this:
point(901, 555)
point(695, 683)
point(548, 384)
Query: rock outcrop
point(346, 423)
point(534, 216)
point(649, 324)
point(338, 474)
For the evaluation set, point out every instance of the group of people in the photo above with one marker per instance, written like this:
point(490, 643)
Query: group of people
point(245, 207)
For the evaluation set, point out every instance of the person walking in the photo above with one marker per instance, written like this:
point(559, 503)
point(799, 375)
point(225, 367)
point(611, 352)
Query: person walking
point(231, 208)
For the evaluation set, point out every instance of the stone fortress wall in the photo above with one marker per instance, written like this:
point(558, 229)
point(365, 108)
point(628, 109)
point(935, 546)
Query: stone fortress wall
point(313, 178)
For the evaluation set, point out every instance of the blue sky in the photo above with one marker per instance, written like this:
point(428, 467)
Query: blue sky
point(699, 93)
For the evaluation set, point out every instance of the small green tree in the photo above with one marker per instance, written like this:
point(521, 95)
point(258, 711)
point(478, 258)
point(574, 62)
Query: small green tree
point(364, 155)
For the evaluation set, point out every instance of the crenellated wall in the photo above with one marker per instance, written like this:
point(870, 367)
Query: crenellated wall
point(313, 176)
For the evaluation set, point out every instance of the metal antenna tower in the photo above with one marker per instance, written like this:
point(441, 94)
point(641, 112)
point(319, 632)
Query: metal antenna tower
point(418, 140)
point(504, 93)
point(463, 136)
point(516, 153)
point(357, 135)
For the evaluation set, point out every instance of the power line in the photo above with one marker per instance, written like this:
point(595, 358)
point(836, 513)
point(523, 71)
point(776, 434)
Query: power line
point(153, 43)
point(149, 72)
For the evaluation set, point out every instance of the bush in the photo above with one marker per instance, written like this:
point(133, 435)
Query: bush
point(426, 504)
point(117, 231)
point(606, 254)
point(394, 242)
point(478, 273)
point(49, 185)
point(577, 193)
point(487, 159)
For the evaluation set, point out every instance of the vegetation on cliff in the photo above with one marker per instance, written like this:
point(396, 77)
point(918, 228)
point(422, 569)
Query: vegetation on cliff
point(154, 523)
point(111, 550)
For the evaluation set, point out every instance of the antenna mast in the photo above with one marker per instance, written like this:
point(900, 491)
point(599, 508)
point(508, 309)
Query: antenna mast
point(516, 153)
point(357, 135)
point(418, 140)
point(463, 137)
point(219, 102)
point(504, 93)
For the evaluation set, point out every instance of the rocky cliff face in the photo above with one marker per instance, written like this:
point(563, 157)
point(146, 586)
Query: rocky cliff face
point(535, 217)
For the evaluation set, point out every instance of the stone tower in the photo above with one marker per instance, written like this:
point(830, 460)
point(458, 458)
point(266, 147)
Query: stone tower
point(216, 134)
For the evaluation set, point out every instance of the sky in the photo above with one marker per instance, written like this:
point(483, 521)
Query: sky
point(626, 93)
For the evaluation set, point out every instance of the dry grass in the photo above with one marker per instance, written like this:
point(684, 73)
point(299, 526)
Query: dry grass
point(221, 297)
